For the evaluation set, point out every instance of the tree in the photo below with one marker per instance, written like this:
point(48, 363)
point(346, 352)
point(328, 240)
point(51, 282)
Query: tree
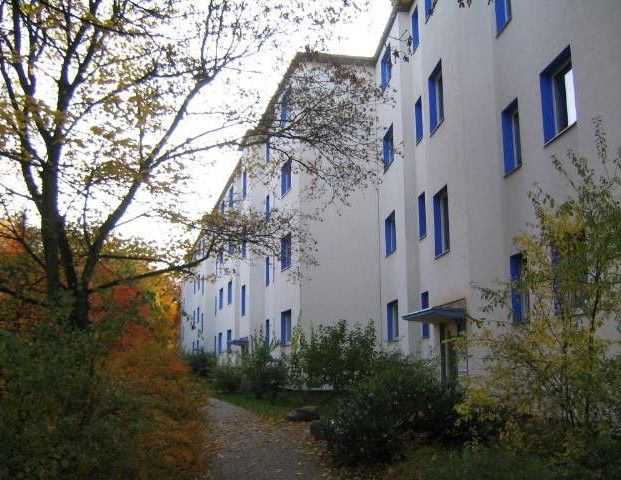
point(553, 374)
point(96, 105)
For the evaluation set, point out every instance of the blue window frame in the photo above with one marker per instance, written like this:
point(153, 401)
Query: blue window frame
point(285, 252)
point(424, 304)
point(285, 327)
point(511, 144)
point(220, 342)
point(268, 207)
point(231, 196)
point(388, 148)
point(422, 216)
point(418, 119)
point(243, 300)
point(415, 30)
point(429, 6)
point(392, 320)
point(244, 184)
point(267, 271)
point(229, 338)
point(558, 98)
point(390, 233)
point(267, 331)
point(519, 297)
point(229, 292)
point(244, 249)
point(436, 98)
point(441, 222)
point(284, 108)
point(222, 206)
point(220, 298)
point(215, 305)
point(386, 68)
point(231, 248)
point(285, 178)
point(503, 14)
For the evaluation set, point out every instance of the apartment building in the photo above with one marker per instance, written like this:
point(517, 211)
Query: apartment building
point(487, 95)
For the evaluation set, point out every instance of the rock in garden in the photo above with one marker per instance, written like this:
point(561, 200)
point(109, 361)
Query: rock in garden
point(304, 414)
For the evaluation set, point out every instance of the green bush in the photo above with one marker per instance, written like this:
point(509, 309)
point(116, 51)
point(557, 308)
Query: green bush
point(487, 464)
point(202, 363)
point(401, 399)
point(227, 378)
point(263, 374)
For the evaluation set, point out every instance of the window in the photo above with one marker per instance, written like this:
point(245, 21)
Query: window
point(558, 100)
point(222, 206)
point(285, 252)
point(424, 304)
point(436, 98)
point(415, 33)
point(429, 6)
point(503, 14)
point(386, 68)
point(422, 217)
point(267, 331)
point(388, 147)
point(220, 342)
point(267, 271)
point(244, 249)
point(512, 147)
point(229, 292)
point(390, 233)
point(441, 222)
point(231, 196)
point(392, 318)
point(519, 298)
point(244, 184)
point(284, 108)
point(243, 300)
point(285, 327)
point(418, 119)
point(229, 338)
point(215, 305)
point(285, 178)
point(267, 207)
point(231, 248)
point(221, 298)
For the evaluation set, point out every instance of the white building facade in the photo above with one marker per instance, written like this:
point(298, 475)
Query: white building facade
point(487, 95)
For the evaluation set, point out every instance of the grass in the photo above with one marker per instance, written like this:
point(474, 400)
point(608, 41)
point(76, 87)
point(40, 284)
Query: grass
point(281, 407)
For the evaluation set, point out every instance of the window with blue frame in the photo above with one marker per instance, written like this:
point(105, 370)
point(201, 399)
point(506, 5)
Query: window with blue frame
point(429, 6)
point(243, 300)
point(436, 98)
point(558, 98)
point(267, 271)
point(422, 216)
point(231, 248)
point(220, 342)
point(229, 292)
point(388, 148)
point(285, 327)
point(222, 206)
point(267, 331)
point(390, 233)
point(392, 320)
point(221, 298)
point(285, 178)
point(268, 207)
point(424, 304)
point(244, 184)
point(418, 119)
point(229, 338)
point(511, 144)
point(285, 252)
point(519, 297)
point(244, 249)
point(386, 68)
point(284, 108)
point(503, 14)
point(415, 30)
point(441, 222)
point(231, 196)
point(215, 305)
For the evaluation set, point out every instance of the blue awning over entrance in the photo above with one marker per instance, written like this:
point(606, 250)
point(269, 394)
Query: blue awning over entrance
point(436, 315)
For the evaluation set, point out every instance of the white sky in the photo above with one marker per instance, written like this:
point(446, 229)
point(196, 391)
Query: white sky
point(357, 38)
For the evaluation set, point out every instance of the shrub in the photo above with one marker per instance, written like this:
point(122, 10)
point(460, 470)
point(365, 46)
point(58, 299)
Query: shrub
point(264, 375)
point(227, 378)
point(400, 399)
point(202, 363)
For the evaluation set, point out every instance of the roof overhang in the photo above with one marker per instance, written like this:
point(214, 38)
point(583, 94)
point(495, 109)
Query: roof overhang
point(436, 315)
point(240, 342)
